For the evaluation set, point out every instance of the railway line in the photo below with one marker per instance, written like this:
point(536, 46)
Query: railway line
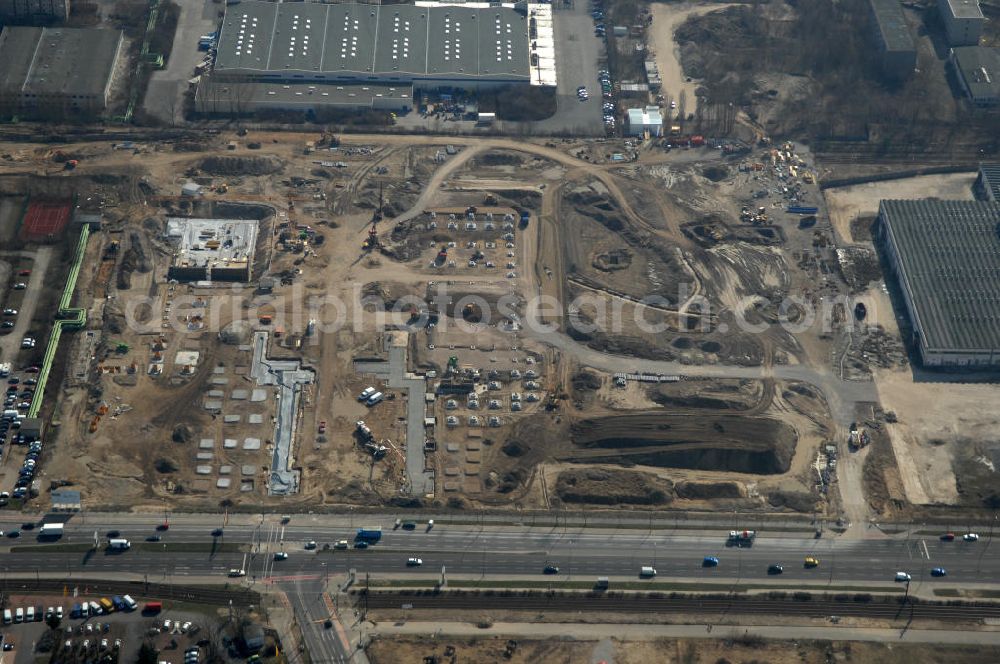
point(790, 604)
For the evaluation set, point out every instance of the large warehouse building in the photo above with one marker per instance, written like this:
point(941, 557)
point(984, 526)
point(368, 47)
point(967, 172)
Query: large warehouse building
point(946, 257)
point(41, 72)
point(427, 45)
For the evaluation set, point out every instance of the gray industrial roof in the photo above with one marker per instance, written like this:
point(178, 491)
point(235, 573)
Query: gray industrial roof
point(965, 8)
point(949, 256)
point(980, 68)
point(405, 40)
point(57, 61)
point(892, 25)
point(306, 95)
point(991, 178)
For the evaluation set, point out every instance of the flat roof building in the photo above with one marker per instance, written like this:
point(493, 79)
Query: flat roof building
point(50, 71)
point(987, 185)
point(435, 45)
point(222, 97)
point(642, 120)
point(893, 39)
point(963, 21)
point(34, 10)
point(978, 72)
point(946, 257)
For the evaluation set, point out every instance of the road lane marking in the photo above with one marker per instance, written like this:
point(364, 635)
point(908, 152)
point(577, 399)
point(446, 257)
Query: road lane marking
point(927, 554)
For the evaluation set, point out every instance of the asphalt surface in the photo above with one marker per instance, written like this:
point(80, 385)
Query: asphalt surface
point(510, 552)
point(577, 53)
point(165, 93)
point(10, 344)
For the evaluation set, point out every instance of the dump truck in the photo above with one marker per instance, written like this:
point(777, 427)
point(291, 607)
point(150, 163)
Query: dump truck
point(369, 534)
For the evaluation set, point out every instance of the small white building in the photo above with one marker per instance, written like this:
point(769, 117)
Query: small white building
point(642, 120)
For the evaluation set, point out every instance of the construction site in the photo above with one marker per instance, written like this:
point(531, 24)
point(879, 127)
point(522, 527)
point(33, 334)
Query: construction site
point(319, 319)
point(247, 295)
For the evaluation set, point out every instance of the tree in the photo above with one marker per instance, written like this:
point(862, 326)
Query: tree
point(53, 621)
point(147, 654)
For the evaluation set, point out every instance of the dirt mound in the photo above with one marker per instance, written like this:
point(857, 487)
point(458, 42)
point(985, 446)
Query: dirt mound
point(584, 381)
point(241, 165)
point(708, 490)
point(733, 443)
point(613, 487)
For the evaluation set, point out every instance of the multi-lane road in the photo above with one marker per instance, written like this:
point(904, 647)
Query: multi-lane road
point(472, 551)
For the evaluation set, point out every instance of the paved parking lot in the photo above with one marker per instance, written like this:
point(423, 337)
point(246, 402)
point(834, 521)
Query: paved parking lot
point(578, 51)
point(165, 94)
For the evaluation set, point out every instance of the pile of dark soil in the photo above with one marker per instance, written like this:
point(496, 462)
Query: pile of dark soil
point(224, 165)
point(613, 487)
point(733, 443)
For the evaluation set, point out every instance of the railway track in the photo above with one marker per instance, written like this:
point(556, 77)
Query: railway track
point(195, 594)
point(804, 606)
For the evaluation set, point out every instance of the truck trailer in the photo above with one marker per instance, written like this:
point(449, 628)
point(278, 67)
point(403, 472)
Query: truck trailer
point(53, 530)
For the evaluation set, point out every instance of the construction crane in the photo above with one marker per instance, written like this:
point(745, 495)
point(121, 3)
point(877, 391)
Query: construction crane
point(372, 242)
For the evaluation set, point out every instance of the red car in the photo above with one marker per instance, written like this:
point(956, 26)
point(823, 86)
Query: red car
point(24, 273)
point(32, 370)
point(322, 426)
point(948, 537)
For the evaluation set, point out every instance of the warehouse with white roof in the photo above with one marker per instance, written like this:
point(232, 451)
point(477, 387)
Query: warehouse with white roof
point(427, 45)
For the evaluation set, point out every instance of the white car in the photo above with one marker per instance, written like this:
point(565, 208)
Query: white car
point(237, 572)
point(414, 562)
point(186, 627)
point(971, 537)
point(27, 342)
point(902, 577)
point(280, 555)
point(310, 545)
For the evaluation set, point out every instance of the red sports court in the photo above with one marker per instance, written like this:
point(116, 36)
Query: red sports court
point(44, 220)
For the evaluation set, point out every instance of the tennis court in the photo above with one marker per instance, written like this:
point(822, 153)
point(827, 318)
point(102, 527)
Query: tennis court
point(44, 220)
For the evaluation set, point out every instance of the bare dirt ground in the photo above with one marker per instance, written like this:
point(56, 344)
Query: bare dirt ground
point(846, 204)
point(627, 234)
point(939, 425)
point(666, 18)
point(405, 650)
